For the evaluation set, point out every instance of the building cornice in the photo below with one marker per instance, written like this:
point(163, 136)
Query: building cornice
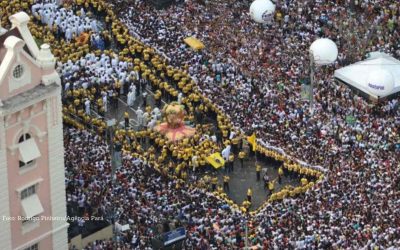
point(28, 98)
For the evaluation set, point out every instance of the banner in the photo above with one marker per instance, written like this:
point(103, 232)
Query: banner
point(121, 228)
point(253, 141)
point(174, 236)
point(216, 160)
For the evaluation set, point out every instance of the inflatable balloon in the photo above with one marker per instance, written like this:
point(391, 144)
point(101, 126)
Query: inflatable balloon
point(324, 50)
point(380, 82)
point(262, 11)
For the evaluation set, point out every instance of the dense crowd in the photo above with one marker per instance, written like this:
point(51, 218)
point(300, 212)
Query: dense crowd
point(246, 66)
point(149, 202)
point(63, 20)
point(258, 69)
point(273, 88)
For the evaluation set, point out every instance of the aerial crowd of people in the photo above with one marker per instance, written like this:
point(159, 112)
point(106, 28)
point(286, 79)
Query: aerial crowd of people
point(251, 76)
point(254, 74)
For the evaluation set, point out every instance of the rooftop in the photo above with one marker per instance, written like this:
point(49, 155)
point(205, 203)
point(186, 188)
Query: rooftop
point(12, 32)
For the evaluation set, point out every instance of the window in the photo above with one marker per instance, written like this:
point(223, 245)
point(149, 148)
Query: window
point(18, 71)
point(33, 247)
point(28, 192)
point(31, 206)
point(20, 76)
point(23, 138)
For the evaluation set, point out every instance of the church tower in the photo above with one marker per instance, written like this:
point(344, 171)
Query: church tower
point(32, 180)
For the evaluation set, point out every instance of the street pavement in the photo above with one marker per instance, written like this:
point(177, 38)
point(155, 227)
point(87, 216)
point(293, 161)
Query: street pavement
point(241, 179)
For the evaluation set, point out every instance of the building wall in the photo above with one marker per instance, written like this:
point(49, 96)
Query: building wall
point(43, 122)
point(5, 225)
point(56, 170)
point(41, 117)
point(37, 122)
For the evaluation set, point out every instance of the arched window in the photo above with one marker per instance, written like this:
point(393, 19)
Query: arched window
point(23, 138)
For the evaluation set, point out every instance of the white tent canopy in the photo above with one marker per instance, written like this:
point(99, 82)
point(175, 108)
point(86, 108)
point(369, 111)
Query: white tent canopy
point(378, 76)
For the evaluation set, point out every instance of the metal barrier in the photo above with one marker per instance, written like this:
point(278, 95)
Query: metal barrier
point(80, 243)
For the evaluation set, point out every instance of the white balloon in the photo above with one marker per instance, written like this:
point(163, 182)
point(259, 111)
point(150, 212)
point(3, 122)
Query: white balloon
point(262, 11)
point(324, 50)
point(380, 82)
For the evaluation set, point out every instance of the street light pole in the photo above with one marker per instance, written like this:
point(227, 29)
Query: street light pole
point(311, 90)
point(322, 51)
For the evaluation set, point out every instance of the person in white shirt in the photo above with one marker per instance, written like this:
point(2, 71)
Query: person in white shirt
point(131, 98)
point(180, 96)
point(156, 113)
point(105, 102)
point(226, 152)
point(139, 116)
point(68, 34)
point(67, 86)
point(152, 123)
point(87, 106)
point(195, 163)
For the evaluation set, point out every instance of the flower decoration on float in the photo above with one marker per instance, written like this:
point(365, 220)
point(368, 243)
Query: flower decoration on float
point(174, 127)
